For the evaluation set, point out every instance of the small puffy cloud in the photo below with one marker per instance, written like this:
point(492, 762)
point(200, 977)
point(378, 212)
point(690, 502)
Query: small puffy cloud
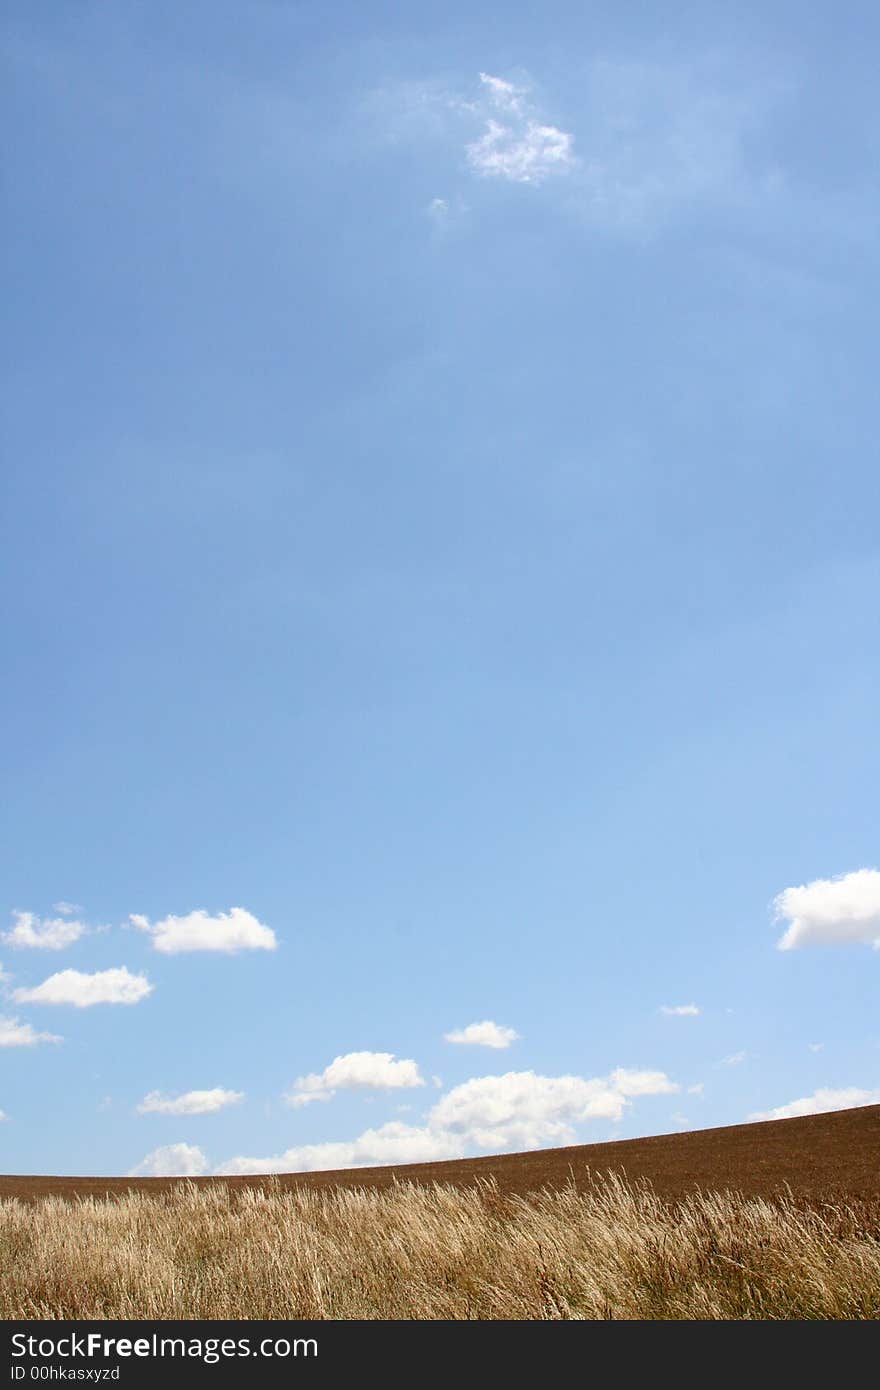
point(229, 932)
point(485, 1034)
point(519, 1110)
point(438, 208)
point(115, 986)
point(356, 1071)
point(191, 1103)
point(526, 1110)
point(172, 1161)
point(515, 145)
point(819, 1103)
point(680, 1010)
point(66, 909)
point(43, 934)
point(15, 1034)
point(523, 1110)
point(734, 1059)
point(831, 911)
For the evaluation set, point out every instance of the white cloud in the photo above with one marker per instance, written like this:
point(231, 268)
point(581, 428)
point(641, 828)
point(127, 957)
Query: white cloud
point(642, 1083)
point(66, 909)
point(523, 1110)
point(519, 1110)
point(3, 1116)
point(15, 1034)
point(815, 1047)
point(394, 1142)
point(525, 156)
point(44, 934)
point(172, 1161)
point(819, 1103)
point(235, 930)
point(374, 1071)
point(438, 208)
point(680, 1010)
point(115, 986)
point(191, 1103)
point(518, 147)
point(734, 1059)
point(506, 96)
point(697, 1088)
point(656, 139)
point(485, 1034)
point(831, 911)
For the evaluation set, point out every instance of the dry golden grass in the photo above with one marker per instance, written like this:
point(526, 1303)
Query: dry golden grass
point(410, 1252)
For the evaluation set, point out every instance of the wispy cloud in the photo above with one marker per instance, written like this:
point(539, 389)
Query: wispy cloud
point(831, 911)
point(172, 1161)
point(15, 1034)
point(75, 987)
point(356, 1071)
point(680, 1010)
point(645, 141)
point(734, 1059)
point(519, 1110)
point(46, 933)
point(515, 144)
point(227, 932)
point(819, 1103)
point(191, 1103)
point(484, 1034)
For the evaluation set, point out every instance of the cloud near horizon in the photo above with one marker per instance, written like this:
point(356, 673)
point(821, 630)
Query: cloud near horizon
point(44, 933)
point(190, 1103)
point(172, 1161)
point(227, 932)
point(831, 911)
point(484, 1034)
point(518, 1110)
point(115, 986)
point(355, 1071)
point(820, 1103)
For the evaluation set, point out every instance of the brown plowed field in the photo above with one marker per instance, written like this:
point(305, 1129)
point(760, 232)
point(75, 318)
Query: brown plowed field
point(824, 1156)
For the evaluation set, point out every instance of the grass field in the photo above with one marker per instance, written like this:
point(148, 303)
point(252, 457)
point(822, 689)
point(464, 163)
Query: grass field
point(592, 1244)
point(616, 1251)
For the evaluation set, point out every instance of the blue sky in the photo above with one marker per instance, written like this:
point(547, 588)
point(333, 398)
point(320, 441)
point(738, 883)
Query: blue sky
point(441, 553)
